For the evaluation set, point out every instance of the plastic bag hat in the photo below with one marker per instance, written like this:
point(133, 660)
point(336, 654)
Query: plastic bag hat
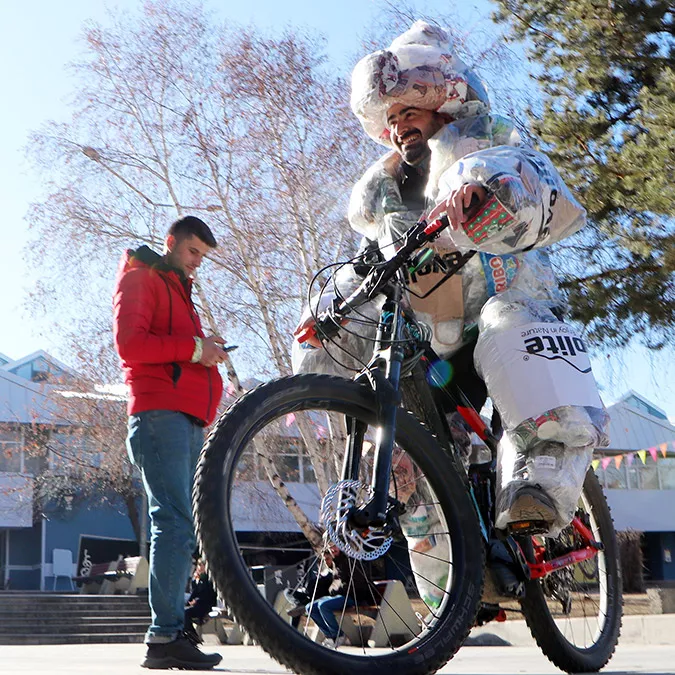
point(418, 70)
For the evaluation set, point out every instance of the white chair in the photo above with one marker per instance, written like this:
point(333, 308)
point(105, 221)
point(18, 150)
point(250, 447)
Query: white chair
point(62, 565)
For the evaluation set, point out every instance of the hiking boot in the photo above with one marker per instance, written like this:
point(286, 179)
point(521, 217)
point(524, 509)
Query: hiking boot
point(525, 509)
point(181, 654)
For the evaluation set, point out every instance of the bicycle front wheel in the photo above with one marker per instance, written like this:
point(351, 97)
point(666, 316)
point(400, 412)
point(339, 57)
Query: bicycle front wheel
point(426, 571)
point(574, 614)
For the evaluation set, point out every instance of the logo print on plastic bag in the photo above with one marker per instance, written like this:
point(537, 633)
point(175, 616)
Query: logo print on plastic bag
point(556, 347)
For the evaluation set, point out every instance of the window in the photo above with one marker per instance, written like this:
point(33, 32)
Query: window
point(615, 478)
point(633, 477)
point(649, 477)
point(10, 450)
point(72, 450)
point(666, 468)
point(292, 463)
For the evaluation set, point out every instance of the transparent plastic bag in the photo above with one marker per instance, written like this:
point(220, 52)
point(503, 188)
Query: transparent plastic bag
point(538, 376)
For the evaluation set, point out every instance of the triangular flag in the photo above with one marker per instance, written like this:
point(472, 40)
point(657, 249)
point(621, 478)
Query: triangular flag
point(664, 448)
point(290, 418)
point(605, 462)
point(320, 432)
point(230, 389)
point(629, 458)
point(595, 464)
point(652, 452)
point(617, 460)
point(642, 454)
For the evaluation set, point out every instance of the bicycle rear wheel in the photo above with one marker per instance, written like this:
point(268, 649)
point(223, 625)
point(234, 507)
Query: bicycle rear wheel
point(434, 562)
point(574, 614)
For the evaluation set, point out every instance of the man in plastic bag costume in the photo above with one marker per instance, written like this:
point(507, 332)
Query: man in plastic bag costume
point(432, 111)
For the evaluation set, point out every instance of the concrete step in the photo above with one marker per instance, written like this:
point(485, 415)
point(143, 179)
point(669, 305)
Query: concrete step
point(98, 602)
point(56, 615)
point(72, 618)
point(72, 607)
point(49, 595)
point(72, 628)
point(73, 638)
point(74, 599)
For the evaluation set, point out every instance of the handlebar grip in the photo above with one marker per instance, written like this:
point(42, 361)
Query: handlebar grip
point(306, 333)
point(439, 224)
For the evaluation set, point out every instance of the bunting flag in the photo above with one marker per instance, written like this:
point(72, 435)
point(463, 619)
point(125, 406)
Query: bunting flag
point(654, 451)
point(290, 418)
point(230, 389)
point(321, 432)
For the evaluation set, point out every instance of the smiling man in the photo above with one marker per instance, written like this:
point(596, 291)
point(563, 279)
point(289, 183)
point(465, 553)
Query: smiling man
point(410, 129)
point(449, 154)
point(171, 370)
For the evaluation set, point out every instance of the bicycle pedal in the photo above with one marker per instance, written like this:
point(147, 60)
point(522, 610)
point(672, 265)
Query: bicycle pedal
point(528, 527)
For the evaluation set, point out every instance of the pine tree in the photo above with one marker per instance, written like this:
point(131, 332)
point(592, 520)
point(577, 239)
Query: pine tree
point(606, 69)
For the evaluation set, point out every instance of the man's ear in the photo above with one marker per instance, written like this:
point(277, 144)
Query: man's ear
point(169, 243)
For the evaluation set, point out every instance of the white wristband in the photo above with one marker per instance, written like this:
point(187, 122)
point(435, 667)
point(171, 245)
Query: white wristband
point(199, 350)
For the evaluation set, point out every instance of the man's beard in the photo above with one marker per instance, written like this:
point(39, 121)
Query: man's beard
point(415, 153)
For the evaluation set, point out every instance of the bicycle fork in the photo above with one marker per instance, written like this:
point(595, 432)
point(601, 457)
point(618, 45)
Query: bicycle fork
point(383, 374)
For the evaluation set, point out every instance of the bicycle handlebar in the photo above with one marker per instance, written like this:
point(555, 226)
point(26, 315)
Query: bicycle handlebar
point(328, 323)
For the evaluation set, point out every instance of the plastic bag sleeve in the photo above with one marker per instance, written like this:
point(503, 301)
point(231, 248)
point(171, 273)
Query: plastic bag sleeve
point(375, 194)
point(529, 205)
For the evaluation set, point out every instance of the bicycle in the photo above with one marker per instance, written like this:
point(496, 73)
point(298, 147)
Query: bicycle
point(403, 497)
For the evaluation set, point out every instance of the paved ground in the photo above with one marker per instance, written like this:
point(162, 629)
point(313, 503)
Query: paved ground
point(124, 660)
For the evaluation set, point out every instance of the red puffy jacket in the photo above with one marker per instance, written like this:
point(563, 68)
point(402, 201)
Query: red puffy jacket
point(154, 327)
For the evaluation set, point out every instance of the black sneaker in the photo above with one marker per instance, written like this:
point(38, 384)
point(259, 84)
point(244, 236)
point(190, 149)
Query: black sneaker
point(181, 654)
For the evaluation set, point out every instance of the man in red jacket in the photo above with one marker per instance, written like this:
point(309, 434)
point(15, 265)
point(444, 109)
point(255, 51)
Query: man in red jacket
point(170, 368)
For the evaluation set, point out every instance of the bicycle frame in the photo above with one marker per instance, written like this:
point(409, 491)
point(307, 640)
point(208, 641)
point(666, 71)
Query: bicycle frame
point(542, 567)
point(383, 373)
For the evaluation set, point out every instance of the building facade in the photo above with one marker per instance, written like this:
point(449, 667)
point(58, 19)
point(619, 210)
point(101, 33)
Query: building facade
point(637, 473)
point(37, 442)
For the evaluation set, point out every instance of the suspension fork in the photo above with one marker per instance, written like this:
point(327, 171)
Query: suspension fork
point(384, 372)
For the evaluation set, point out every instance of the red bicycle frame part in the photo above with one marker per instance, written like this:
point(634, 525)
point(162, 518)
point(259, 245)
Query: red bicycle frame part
point(542, 567)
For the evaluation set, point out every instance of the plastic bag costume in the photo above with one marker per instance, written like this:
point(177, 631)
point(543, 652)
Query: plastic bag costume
point(535, 366)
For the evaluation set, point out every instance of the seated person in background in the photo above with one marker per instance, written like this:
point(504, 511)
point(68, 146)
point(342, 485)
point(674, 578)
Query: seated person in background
point(316, 580)
point(349, 586)
point(201, 600)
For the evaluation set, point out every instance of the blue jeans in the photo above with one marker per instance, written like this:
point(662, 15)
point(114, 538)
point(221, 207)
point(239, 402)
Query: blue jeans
point(165, 446)
point(322, 611)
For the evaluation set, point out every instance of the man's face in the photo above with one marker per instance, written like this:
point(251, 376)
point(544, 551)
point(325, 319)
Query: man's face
point(410, 130)
point(186, 254)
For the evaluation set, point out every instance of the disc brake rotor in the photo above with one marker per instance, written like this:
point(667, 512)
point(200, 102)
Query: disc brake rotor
point(361, 543)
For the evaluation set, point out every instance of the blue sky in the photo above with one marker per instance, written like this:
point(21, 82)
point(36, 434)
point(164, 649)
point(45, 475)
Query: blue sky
point(38, 38)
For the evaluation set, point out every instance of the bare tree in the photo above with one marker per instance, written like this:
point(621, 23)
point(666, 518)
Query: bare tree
point(176, 114)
